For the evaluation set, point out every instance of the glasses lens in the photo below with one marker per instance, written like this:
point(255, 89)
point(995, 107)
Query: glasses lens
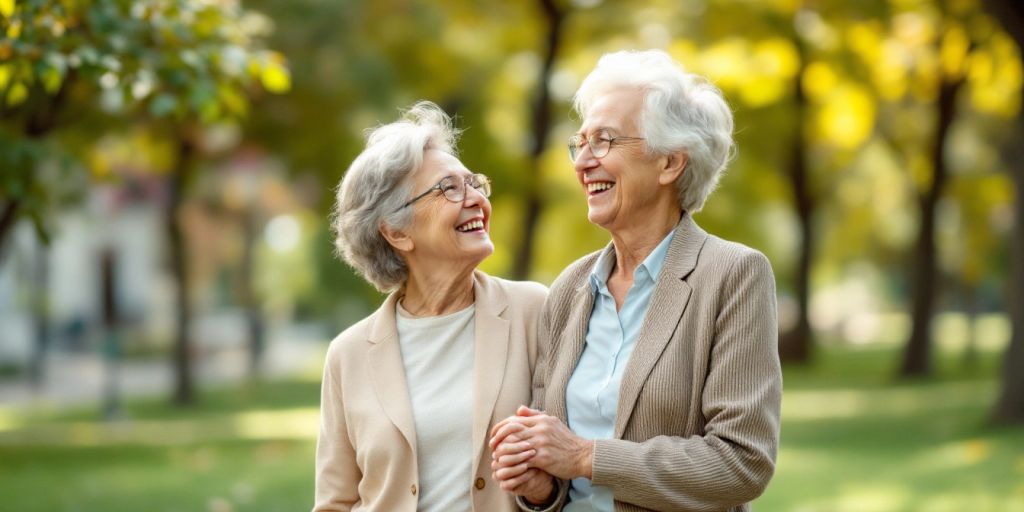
point(574, 146)
point(453, 189)
point(600, 143)
point(481, 183)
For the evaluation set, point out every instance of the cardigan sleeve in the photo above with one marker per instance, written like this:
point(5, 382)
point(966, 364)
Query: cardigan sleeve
point(732, 462)
point(337, 474)
point(540, 376)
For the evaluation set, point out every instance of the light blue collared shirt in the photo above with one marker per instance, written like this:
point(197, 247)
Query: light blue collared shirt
point(592, 396)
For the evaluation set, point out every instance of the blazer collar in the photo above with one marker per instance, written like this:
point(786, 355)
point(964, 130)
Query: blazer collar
point(490, 351)
point(671, 295)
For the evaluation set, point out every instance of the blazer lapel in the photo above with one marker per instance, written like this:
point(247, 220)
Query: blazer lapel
point(671, 295)
point(490, 352)
point(388, 373)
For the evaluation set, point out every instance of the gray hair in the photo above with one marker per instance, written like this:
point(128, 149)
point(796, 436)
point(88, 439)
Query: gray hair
point(682, 111)
point(375, 188)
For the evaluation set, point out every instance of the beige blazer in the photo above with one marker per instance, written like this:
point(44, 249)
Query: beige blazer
point(366, 450)
point(697, 424)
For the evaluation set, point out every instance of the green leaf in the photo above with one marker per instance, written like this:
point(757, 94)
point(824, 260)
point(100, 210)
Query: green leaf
point(17, 94)
point(163, 105)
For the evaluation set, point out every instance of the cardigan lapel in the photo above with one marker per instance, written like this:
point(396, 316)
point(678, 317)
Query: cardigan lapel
point(388, 374)
point(569, 348)
point(671, 295)
point(490, 351)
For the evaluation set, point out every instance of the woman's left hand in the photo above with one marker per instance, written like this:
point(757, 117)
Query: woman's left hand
point(558, 451)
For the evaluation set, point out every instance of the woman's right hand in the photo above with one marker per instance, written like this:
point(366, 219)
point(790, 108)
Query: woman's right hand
point(511, 469)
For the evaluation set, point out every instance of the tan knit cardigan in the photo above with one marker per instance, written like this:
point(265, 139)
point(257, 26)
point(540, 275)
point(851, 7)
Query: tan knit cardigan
point(697, 424)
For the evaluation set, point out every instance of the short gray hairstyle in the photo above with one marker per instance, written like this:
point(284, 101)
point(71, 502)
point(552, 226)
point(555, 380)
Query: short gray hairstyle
point(682, 111)
point(376, 186)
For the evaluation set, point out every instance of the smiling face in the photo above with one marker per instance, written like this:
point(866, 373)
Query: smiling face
point(443, 232)
point(623, 186)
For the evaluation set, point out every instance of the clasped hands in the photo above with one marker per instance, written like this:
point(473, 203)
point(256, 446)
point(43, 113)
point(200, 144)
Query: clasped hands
point(531, 448)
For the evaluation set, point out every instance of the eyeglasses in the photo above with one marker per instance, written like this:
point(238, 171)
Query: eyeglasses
point(454, 188)
point(600, 143)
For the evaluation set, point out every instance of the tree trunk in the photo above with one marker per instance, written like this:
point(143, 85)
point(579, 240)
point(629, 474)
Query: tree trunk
point(541, 127)
point(795, 345)
point(1010, 406)
point(917, 355)
point(253, 313)
point(8, 218)
point(41, 315)
point(184, 392)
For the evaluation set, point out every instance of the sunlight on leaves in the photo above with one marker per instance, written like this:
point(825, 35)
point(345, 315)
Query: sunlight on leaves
point(848, 116)
point(275, 77)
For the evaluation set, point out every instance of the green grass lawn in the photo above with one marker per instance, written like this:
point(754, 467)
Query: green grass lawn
point(853, 440)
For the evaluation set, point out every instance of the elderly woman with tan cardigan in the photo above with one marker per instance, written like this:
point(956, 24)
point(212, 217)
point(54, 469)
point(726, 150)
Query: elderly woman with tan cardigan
point(659, 384)
point(410, 392)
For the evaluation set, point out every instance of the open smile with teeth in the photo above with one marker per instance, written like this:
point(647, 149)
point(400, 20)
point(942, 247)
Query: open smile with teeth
point(599, 186)
point(472, 225)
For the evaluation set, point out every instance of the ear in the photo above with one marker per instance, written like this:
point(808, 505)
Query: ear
point(672, 168)
point(398, 239)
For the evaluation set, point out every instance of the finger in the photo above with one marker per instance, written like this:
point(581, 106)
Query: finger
point(512, 450)
point(514, 482)
point(509, 428)
point(502, 474)
point(526, 411)
point(516, 458)
point(523, 489)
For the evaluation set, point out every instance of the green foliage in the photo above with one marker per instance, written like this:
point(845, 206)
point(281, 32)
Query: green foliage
point(180, 61)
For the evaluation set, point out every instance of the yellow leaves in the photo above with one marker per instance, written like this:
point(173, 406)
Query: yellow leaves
point(953, 52)
point(847, 117)
point(995, 77)
point(819, 79)
point(761, 72)
point(772, 67)
point(274, 74)
point(7, 8)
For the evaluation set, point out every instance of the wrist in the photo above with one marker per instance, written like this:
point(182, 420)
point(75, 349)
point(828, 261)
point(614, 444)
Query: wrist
point(585, 460)
point(543, 496)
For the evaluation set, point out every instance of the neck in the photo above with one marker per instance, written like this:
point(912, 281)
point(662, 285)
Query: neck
point(434, 293)
point(634, 243)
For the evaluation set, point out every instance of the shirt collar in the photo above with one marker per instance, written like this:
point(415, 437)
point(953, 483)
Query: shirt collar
point(649, 269)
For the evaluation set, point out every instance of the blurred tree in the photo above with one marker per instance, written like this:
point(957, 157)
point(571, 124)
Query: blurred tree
point(1010, 406)
point(795, 345)
point(541, 127)
point(917, 355)
point(179, 63)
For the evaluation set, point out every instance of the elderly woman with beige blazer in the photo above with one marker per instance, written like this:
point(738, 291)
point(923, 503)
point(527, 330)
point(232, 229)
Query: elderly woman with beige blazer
point(410, 392)
point(659, 384)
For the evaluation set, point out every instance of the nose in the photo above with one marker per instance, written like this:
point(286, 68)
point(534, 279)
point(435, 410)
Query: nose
point(585, 159)
point(472, 197)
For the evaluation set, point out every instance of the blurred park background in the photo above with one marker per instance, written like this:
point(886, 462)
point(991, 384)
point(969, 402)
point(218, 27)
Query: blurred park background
point(167, 283)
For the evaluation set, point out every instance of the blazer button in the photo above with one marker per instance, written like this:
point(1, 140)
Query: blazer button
point(413, 489)
point(480, 483)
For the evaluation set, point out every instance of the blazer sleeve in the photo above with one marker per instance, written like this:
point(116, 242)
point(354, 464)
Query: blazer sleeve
point(337, 474)
point(733, 461)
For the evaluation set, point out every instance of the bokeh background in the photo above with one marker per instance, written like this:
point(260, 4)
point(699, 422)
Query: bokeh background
point(167, 282)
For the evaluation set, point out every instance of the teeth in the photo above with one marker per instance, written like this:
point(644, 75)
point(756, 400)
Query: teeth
point(598, 186)
point(469, 226)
